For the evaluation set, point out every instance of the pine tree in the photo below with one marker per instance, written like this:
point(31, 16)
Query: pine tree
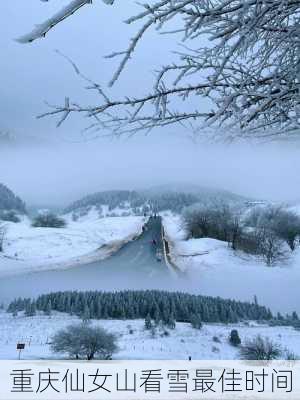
point(86, 316)
point(48, 310)
point(157, 317)
point(171, 322)
point(27, 308)
point(33, 308)
point(148, 323)
point(279, 316)
point(12, 307)
point(295, 316)
point(30, 309)
point(196, 321)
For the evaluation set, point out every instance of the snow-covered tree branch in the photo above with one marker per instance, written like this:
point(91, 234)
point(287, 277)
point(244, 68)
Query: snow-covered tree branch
point(42, 29)
point(249, 71)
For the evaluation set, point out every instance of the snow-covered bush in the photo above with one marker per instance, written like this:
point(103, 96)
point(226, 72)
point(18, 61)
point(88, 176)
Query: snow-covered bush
point(216, 339)
point(48, 220)
point(249, 242)
point(260, 348)
point(271, 247)
point(290, 355)
point(265, 244)
point(284, 223)
point(84, 341)
point(234, 338)
point(9, 215)
point(217, 220)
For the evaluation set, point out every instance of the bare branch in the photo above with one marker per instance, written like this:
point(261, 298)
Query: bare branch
point(249, 73)
point(41, 30)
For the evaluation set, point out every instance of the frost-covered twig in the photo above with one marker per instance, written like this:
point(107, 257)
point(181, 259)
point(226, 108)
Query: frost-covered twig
point(41, 30)
point(241, 56)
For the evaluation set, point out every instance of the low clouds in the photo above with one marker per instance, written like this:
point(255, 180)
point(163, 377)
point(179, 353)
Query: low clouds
point(58, 172)
point(51, 166)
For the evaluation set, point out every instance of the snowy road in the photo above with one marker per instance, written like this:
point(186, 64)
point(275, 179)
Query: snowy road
point(134, 266)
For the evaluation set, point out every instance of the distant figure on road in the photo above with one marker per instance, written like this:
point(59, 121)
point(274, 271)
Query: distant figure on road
point(154, 242)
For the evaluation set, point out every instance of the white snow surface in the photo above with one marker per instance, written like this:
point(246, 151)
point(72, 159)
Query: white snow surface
point(182, 342)
point(27, 249)
point(217, 270)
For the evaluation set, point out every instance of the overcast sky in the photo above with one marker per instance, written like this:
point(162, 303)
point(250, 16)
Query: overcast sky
point(58, 165)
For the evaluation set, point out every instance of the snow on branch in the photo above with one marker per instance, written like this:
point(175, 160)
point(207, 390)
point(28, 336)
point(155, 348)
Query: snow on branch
point(249, 69)
point(41, 30)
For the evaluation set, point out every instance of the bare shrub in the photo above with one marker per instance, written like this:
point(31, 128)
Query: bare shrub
point(217, 220)
point(271, 247)
point(216, 339)
point(249, 71)
point(260, 349)
point(48, 220)
point(283, 222)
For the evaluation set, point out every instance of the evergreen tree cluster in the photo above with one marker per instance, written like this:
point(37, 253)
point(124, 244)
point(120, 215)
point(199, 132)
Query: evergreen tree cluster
point(174, 201)
point(149, 304)
point(9, 201)
point(112, 198)
point(287, 320)
point(138, 202)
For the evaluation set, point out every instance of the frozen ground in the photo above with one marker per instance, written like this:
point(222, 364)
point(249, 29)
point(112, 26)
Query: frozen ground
point(91, 238)
point(217, 270)
point(182, 342)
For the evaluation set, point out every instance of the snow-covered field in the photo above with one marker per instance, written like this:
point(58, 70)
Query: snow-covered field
point(217, 270)
point(28, 249)
point(182, 342)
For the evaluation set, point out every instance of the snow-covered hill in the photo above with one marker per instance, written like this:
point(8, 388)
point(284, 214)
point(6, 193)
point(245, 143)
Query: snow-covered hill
point(203, 193)
point(28, 249)
point(157, 199)
point(211, 342)
point(10, 201)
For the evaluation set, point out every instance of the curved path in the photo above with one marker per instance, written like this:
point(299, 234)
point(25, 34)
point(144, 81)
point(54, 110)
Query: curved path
point(134, 266)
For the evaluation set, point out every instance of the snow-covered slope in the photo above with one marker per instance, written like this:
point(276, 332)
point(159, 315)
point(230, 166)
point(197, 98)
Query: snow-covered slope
point(174, 197)
point(27, 249)
point(211, 342)
point(215, 269)
point(9, 201)
point(203, 193)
